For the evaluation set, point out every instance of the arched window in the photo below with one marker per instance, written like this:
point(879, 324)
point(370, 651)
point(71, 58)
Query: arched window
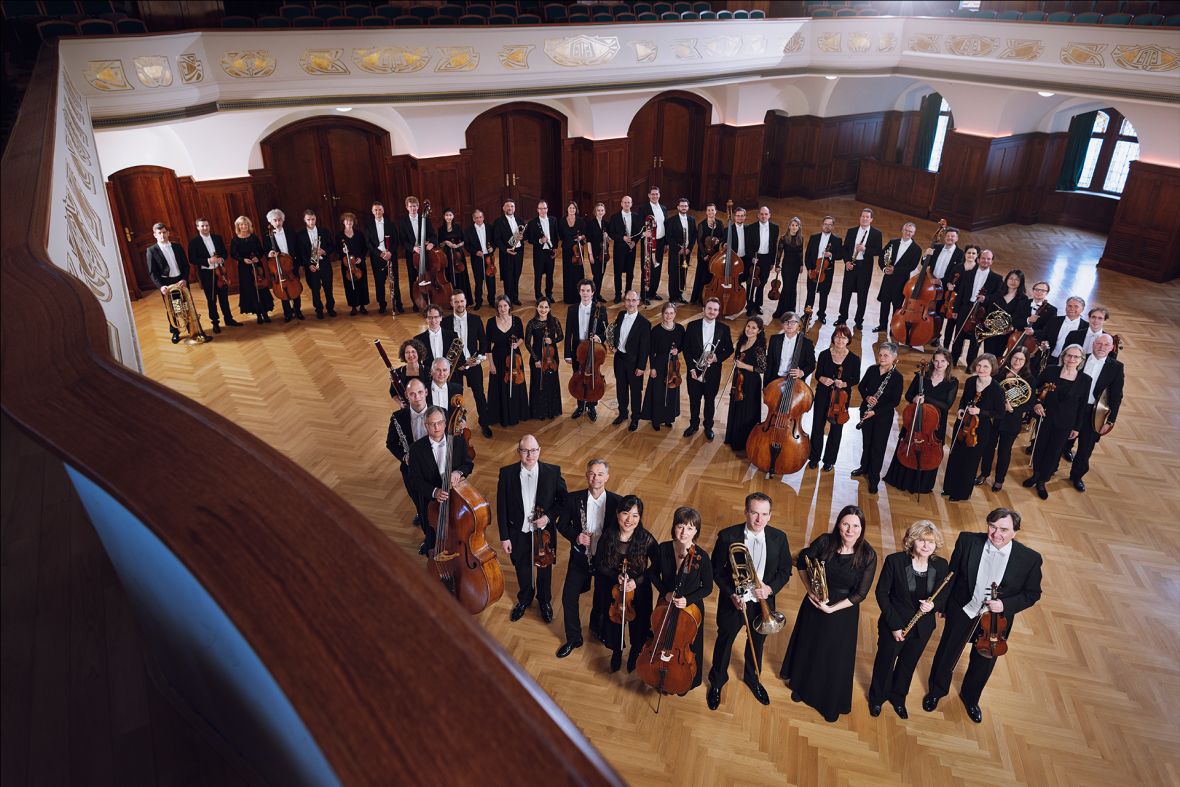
point(1110, 145)
point(944, 121)
point(933, 123)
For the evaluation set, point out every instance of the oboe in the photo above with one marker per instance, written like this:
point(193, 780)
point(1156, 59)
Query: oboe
point(868, 412)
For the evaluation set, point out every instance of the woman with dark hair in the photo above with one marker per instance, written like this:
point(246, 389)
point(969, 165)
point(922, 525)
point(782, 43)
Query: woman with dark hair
point(970, 260)
point(681, 586)
point(1012, 300)
point(1062, 414)
point(544, 330)
point(570, 229)
point(508, 401)
point(630, 542)
point(998, 445)
point(836, 369)
point(356, 293)
point(411, 352)
point(661, 404)
point(790, 263)
point(821, 656)
point(745, 393)
point(940, 389)
point(983, 399)
point(450, 237)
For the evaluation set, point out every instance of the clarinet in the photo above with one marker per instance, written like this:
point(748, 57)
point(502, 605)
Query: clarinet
point(865, 412)
point(589, 559)
point(402, 437)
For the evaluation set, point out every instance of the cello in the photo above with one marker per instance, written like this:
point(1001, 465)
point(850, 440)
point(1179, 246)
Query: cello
point(726, 269)
point(667, 662)
point(430, 285)
point(917, 319)
point(917, 446)
point(779, 444)
point(587, 384)
point(993, 627)
point(280, 269)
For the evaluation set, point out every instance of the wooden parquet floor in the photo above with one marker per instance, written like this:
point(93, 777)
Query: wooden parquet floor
point(1090, 690)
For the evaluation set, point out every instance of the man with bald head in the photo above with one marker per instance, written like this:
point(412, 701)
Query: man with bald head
point(530, 498)
point(1106, 375)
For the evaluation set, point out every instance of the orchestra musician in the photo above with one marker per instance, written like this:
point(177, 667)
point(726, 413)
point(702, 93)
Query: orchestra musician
point(311, 250)
point(441, 392)
point(691, 588)
point(530, 494)
point(707, 344)
point(904, 258)
point(944, 263)
point(246, 248)
point(1009, 423)
point(468, 328)
point(680, 235)
point(578, 318)
point(355, 292)
point(167, 265)
point(941, 387)
point(710, 237)
point(909, 579)
point(382, 241)
point(880, 389)
point(1085, 335)
point(790, 251)
point(745, 393)
point(632, 333)
point(511, 256)
point(282, 244)
point(541, 232)
point(411, 352)
point(597, 233)
point(661, 404)
point(1106, 376)
point(428, 462)
point(862, 245)
point(982, 398)
point(1052, 332)
point(979, 561)
point(588, 514)
point(1012, 299)
point(837, 368)
point(782, 351)
point(478, 242)
point(570, 230)
point(821, 655)
point(819, 246)
point(541, 332)
point(1039, 308)
point(451, 238)
point(407, 426)
point(975, 287)
point(508, 400)
point(207, 251)
point(770, 558)
point(629, 540)
point(436, 339)
point(659, 212)
point(410, 229)
point(624, 227)
point(1062, 413)
point(761, 246)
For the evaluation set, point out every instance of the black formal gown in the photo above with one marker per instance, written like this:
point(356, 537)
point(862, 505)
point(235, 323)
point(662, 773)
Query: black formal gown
point(821, 655)
point(508, 403)
point(695, 586)
point(792, 264)
point(1065, 407)
point(571, 274)
point(641, 552)
point(847, 370)
point(544, 387)
point(941, 396)
point(661, 405)
point(251, 299)
point(745, 414)
point(404, 377)
point(1018, 311)
point(460, 280)
point(963, 464)
point(997, 449)
point(356, 293)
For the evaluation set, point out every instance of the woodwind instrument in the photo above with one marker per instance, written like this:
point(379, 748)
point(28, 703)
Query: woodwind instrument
point(920, 613)
point(868, 412)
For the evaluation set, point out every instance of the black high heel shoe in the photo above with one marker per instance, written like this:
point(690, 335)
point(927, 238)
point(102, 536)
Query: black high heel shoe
point(616, 661)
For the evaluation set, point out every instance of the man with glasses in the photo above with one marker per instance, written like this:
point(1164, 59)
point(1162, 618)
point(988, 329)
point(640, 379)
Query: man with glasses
point(428, 461)
point(781, 352)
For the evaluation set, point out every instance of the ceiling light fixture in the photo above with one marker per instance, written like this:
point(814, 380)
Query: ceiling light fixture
point(343, 109)
point(1045, 94)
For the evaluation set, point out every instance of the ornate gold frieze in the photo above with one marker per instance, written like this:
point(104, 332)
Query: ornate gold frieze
point(1022, 49)
point(321, 62)
point(516, 56)
point(391, 59)
point(457, 58)
point(1146, 57)
point(1076, 54)
point(106, 75)
point(886, 42)
point(248, 64)
point(153, 71)
point(582, 50)
point(191, 68)
point(925, 42)
point(859, 42)
point(795, 43)
point(828, 42)
point(971, 45)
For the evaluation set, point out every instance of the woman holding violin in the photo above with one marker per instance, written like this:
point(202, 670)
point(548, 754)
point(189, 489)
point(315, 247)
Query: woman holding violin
point(353, 273)
point(253, 285)
point(745, 390)
point(661, 400)
point(981, 403)
point(450, 238)
point(682, 584)
point(949, 295)
point(998, 445)
point(790, 263)
point(1012, 299)
point(623, 561)
point(880, 390)
point(1061, 394)
point(508, 401)
point(543, 338)
point(837, 371)
point(596, 233)
point(571, 230)
point(937, 388)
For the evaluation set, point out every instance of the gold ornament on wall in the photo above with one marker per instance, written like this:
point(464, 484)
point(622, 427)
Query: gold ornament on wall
point(686, 49)
point(925, 42)
point(645, 51)
point(1022, 49)
point(248, 64)
point(323, 62)
point(1146, 57)
point(795, 43)
point(859, 42)
point(516, 56)
point(191, 69)
point(1083, 54)
point(828, 42)
point(582, 50)
point(971, 45)
point(391, 59)
point(886, 42)
point(457, 58)
point(153, 71)
point(106, 75)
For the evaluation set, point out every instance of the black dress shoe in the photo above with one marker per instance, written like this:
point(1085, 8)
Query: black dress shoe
point(216, 328)
point(567, 649)
point(930, 703)
point(546, 612)
point(632, 657)
point(381, 308)
point(1028, 449)
point(486, 431)
point(591, 413)
point(713, 697)
point(878, 329)
point(872, 488)
point(759, 692)
point(423, 548)
point(266, 318)
point(655, 427)
point(517, 611)
point(415, 306)
point(232, 323)
point(1067, 455)
point(899, 709)
point(363, 310)
point(827, 468)
point(1079, 484)
point(176, 338)
point(400, 309)
point(353, 312)
point(996, 487)
point(616, 661)
point(619, 419)
point(288, 317)
point(1042, 492)
point(689, 432)
point(577, 413)
point(1029, 482)
point(299, 315)
point(632, 426)
point(857, 472)
point(979, 480)
point(822, 320)
point(259, 319)
point(795, 697)
point(973, 711)
point(331, 312)
point(874, 710)
point(709, 435)
point(515, 302)
point(319, 315)
point(812, 464)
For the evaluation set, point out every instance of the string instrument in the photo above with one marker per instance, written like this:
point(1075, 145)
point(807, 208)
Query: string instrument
point(261, 277)
point(739, 376)
point(947, 310)
point(351, 271)
point(667, 662)
point(457, 424)
point(431, 285)
point(725, 268)
point(577, 255)
point(514, 373)
point(489, 264)
point(819, 274)
point(1042, 393)
point(672, 378)
point(548, 353)
point(780, 444)
point(776, 286)
point(993, 627)
point(969, 425)
point(220, 276)
point(543, 556)
point(280, 269)
point(461, 558)
point(974, 317)
point(605, 248)
point(916, 322)
point(458, 258)
point(711, 242)
point(840, 398)
point(622, 607)
point(588, 384)
point(917, 446)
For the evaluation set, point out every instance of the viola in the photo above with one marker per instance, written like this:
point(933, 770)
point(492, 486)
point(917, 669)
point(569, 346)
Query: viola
point(351, 272)
point(918, 448)
point(543, 556)
point(588, 384)
point(284, 283)
point(840, 399)
point(780, 444)
point(514, 374)
point(776, 286)
point(726, 269)
point(672, 377)
point(916, 322)
point(430, 285)
point(969, 425)
point(622, 607)
point(993, 631)
point(819, 273)
point(220, 276)
point(667, 662)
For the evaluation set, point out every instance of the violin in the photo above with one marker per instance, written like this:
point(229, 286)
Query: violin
point(947, 310)
point(548, 353)
point(284, 282)
point(776, 286)
point(588, 384)
point(838, 406)
point(514, 374)
point(739, 377)
point(576, 258)
point(819, 273)
point(918, 448)
point(780, 444)
point(489, 264)
point(974, 317)
point(726, 269)
point(457, 425)
point(915, 323)
point(220, 276)
point(993, 627)
point(430, 285)
point(458, 259)
point(672, 377)
point(667, 662)
point(351, 271)
point(622, 606)
point(969, 425)
point(543, 556)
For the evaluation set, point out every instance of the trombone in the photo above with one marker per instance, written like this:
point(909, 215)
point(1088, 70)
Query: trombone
point(746, 581)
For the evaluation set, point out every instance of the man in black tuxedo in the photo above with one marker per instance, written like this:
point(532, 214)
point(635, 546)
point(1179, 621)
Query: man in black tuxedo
point(530, 496)
point(1053, 332)
point(207, 252)
point(436, 339)
point(979, 561)
point(428, 460)
point(477, 239)
point(1085, 335)
point(632, 333)
point(761, 247)
point(624, 229)
point(1040, 310)
point(770, 559)
point(945, 261)
point(699, 335)
point(583, 320)
point(975, 286)
point(782, 350)
point(862, 245)
point(511, 250)
point(412, 229)
point(659, 213)
point(407, 426)
point(167, 265)
point(1106, 375)
point(283, 242)
point(588, 514)
point(541, 232)
point(440, 392)
point(381, 238)
point(468, 328)
point(825, 245)
point(904, 258)
point(680, 235)
point(311, 250)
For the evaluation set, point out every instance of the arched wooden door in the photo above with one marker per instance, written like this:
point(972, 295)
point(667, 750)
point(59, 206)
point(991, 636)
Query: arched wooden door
point(667, 140)
point(515, 151)
point(141, 196)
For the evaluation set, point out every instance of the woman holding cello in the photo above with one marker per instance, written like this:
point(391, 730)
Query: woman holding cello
point(661, 400)
point(508, 401)
point(682, 582)
point(253, 285)
point(745, 392)
point(624, 559)
point(543, 338)
point(998, 445)
point(880, 390)
point(981, 403)
point(936, 388)
point(837, 371)
point(353, 274)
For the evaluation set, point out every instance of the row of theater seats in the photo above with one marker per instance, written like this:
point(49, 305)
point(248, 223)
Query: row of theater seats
point(1085, 18)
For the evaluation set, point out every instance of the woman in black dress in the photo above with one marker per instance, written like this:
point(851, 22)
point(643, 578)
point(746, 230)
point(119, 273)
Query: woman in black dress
point(595, 234)
point(745, 392)
point(908, 579)
point(411, 352)
point(1012, 299)
point(880, 390)
point(661, 405)
point(836, 368)
point(940, 389)
point(508, 401)
point(1062, 413)
point(544, 330)
point(632, 542)
point(1008, 424)
point(352, 239)
point(570, 229)
point(821, 656)
point(450, 237)
point(691, 588)
point(981, 397)
point(790, 263)
point(970, 260)
point(247, 250)
point(710, 236)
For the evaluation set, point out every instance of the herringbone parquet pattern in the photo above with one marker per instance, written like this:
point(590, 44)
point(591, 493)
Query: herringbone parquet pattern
point(1089, 691)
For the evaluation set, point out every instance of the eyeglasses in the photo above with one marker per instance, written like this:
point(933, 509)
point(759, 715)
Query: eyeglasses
point(529, 451)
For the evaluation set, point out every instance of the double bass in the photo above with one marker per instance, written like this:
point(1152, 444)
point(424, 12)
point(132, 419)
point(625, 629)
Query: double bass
point(430, 285)
point(667, 662)
point(917, 446)
point(726, 269)
point(587, 384)
point(779, 444)
point(280, 269)
point(916, 322)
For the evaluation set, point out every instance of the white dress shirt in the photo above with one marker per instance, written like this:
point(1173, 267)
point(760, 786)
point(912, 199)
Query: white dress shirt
point(658, 214)
point(170, 258)
point(992, 564)
point(944, 261)
point(414, 226)
point(756, 543)
point(764, 237)
point(977, 282)
point(512, 225)
point(708, 327)
point(280, 236)
point(626, 222)
point(684, 227)
point(862, 234)
point(439, 450)
point(481, 234)
point(903, 246)
point(438, 395)
point(824, 239)
point(528, 495)
point(739, 232)
point(1067, 325)
point(461, 331)
point(595, 519)
point(313, 238)
point(436, 344)
point(788, 354)
point(208, 240)
point(380, 225)
point(1093, 368)
point(1088, 339)
point(417, 423)
point(584, 320)
point(625, 330)
point(547, 239)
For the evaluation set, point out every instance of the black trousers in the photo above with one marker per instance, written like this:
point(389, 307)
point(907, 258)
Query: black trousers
point(677, 275)
point(789, 297)
point(874, 437)
point(822, 289)
point(856, 282)
point(214, 295)
point(321, 280)
point(629, 387)
point(1047, 452)
point(998, 446)
point(888, 304)
point(511, 266)
point(578, 580)
point(522, 561)
point(1087, 439)
point(755, 296)
point(703, 277)
point(893, 669)
point(624, 261)
point(482, 282)
point(473, 378)
point(954, 638)
point(598, 273)
point(543, 267)
point(380, 270)
point(703, 389)
point(967, 337)
point(657, 269)
point(729, 624)
point(819, 422)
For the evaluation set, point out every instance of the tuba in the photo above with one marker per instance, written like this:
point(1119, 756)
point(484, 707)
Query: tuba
point(817, 578)
point(745, 581)
point(998, 323)
point(182, 314)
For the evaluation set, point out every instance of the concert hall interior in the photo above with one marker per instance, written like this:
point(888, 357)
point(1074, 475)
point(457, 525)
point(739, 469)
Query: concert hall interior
point(222, 563)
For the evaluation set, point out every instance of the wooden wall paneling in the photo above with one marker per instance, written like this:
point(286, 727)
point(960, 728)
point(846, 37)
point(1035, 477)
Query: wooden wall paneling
point(1079, 209)
point(144, 195)
point(732, 162)
point(774, 147)
point(221, 202)
point(906, 189)
point(746, 164)
point(1145, 237)
point(444, 183)
point(823, 154)
point(607, 165)
point(1002, 177)
point(403, 178)
point(960, 178)
point(799, 161)
point(124, 248)
point(262, 184)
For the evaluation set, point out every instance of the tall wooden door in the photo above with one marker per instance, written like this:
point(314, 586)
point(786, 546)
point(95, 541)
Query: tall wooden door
point(667, 138)
point(140, 197)
point(774, 148)
point(515, 153)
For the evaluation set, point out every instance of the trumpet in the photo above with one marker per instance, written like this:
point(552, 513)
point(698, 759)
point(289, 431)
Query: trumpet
point(745, 582)
point(817, 578)
point(182, 314)
point(706, 360)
